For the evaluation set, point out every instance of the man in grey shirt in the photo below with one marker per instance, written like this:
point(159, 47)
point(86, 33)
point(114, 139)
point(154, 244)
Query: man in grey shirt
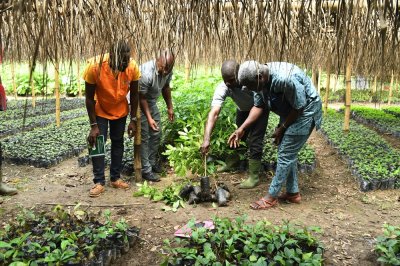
point(155, 79)
point(244, 100)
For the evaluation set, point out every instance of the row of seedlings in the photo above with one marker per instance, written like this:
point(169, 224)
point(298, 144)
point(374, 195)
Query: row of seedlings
point(45, 147)
point(371, 158)
point(379, 119)
point(8, 127)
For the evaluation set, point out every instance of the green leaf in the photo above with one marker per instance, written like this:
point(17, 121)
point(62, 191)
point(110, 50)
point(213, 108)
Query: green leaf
point(5, 245)
point(253, 258)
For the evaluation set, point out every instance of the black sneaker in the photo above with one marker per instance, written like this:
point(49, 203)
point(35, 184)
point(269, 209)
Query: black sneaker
point(150, 176)
point(157, 168)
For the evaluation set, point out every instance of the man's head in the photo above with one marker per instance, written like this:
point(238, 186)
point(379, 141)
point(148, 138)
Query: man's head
point(229, 71)
point(165, 62)
point(253, 76)
point(120, 54)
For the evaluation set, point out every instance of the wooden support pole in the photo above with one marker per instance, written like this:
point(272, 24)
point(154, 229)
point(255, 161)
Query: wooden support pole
point(335, 78)
point(57, 93)
point(319, 80)
point(33, 91)
point(327, 87)
point(14, 85)
point(374, 89)
point(78, 79)
point(314, 77)
point(187, 67)
point(137, 147)
point(346, 125)
point(391, 89)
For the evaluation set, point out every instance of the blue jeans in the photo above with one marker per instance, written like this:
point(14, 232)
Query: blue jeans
point(117, 129)
point(286, 169)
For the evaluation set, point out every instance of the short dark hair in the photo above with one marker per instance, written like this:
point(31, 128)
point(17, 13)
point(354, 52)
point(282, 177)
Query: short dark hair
point(121, 46)
point(229, 68)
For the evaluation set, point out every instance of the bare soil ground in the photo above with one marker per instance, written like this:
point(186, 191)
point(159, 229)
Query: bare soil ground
point(351, 219)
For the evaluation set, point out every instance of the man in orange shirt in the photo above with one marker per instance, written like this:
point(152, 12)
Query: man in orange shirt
point(108, 79)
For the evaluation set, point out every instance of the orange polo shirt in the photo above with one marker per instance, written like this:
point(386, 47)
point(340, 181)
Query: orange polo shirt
point(111, 91)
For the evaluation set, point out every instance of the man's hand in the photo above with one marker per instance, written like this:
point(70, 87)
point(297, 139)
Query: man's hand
point(205, 147)
point(93, 134)
point(171, 115)
point(278, 134)
point(234, 139)
point(153, 124)
point(132, 129)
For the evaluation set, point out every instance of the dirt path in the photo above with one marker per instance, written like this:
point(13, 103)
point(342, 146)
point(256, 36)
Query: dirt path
point(331, 199)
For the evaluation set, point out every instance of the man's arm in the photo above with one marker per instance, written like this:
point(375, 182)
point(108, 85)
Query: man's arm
point(290, 119)
point(210, 124)
point(254, 114)
point(166, 93)
point(146, 111)
point(90, 107)
point(134, 101)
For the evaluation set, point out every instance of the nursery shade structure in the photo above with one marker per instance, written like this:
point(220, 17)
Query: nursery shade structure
point(310, 33)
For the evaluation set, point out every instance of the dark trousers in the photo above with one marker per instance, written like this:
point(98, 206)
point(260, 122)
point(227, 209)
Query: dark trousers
point(254, 134)
point(117, 129)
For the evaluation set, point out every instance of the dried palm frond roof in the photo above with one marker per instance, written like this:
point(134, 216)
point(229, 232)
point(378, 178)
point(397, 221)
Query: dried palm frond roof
point(311, 33)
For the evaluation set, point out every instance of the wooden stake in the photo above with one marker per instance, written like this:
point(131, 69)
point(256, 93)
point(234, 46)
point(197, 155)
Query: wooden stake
point(78, 79)
point(13, 79)
point(327, 87)
point(137, 146)
point(391, 89)
point(314, 77)
point(33, 91)
point(57, 93)
point(187, 67)
point(374, 89)
point(319, 80)
point(336, 78)
point(346, 125)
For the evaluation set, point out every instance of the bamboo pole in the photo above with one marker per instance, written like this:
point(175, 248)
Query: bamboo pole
point(137, 148)
point(78, 79)
point(33, 91)
point(374, 89)
point(346, 125)
point(314, 77)
point(187, 67)
point(391, 89)
point(57, 93)
point(14, 85)
point(319, 80)
point(327, 87)
point(336, 78)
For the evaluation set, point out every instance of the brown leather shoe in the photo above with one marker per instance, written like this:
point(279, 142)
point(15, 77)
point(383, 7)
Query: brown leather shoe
point(96, 190)
point(120, 184)
point(296, 198)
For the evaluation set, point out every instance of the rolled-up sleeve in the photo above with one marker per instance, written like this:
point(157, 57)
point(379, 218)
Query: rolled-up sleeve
point(259, 100)
point(220, 94)
point(144, 84)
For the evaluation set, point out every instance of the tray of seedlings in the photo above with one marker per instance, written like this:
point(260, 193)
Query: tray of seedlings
point(65, 238)
point(233, 242)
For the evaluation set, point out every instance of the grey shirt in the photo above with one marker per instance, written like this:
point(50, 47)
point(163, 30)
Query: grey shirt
point(243, 98)
point(151, 83)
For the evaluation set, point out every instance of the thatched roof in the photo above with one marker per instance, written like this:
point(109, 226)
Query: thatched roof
point(312, 33)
